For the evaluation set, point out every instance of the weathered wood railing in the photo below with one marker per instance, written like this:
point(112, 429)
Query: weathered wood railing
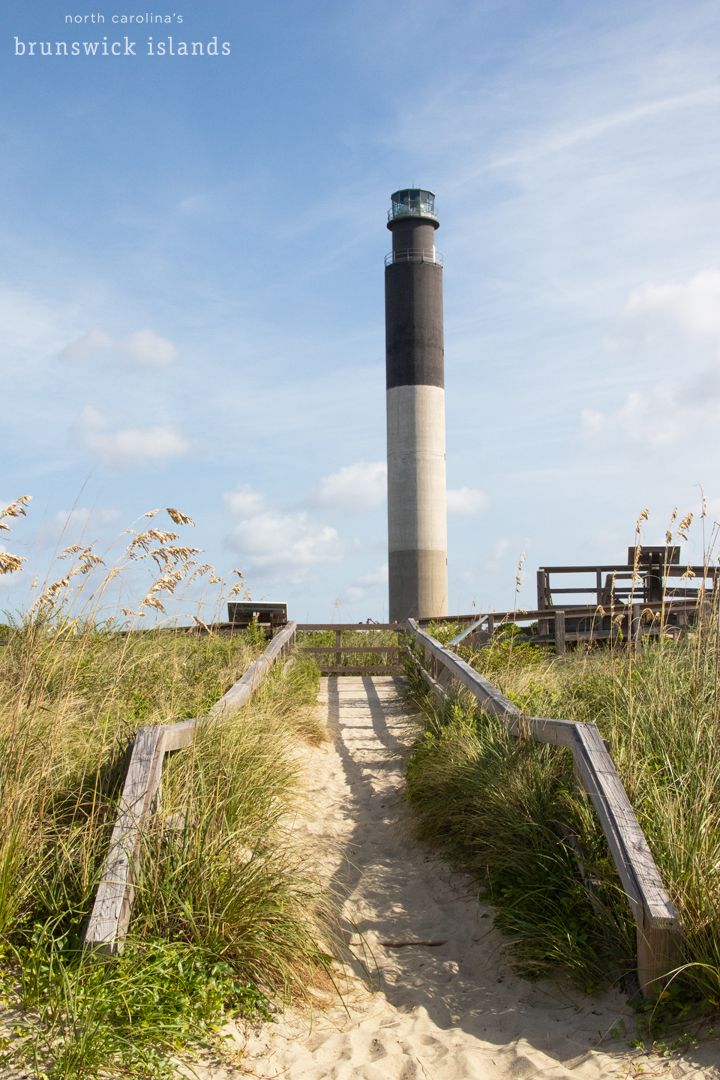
point(333, 659)
point(655, 917)
point(577, 623)
point(110, 916)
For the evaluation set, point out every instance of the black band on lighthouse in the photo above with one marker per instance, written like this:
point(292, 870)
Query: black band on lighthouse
point(414, 325)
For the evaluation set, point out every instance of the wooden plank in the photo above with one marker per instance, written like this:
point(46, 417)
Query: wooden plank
point(327, 650)
point(489, 696)
point(107, 928)
point(544, 730)
point(313, 628)
point(179, 736)
point(241, 692)
point(632, 856)
point(435, 686)
point(560, 647)
point(379, 669)
point(468, 631)
point(658, 953)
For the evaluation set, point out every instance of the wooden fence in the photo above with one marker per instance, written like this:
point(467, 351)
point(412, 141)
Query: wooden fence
point(110, 916)
point(348, 656)
point(575, 623)
point(655, 917)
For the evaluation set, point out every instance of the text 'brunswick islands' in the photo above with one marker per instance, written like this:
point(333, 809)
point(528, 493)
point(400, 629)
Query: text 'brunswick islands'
point(123, 46)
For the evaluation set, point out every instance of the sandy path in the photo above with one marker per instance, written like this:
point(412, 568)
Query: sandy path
point(447, 1007)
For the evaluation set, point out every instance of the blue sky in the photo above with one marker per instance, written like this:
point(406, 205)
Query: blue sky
point(191, 282)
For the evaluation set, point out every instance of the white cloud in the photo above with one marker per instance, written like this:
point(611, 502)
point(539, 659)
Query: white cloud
point(466, 500)
point(245, 502)
point(692, 305)
point(660, 416)
point(664, 323)
point(145, 347)
point(129, 447)
point(361, 486)
point(274, 542)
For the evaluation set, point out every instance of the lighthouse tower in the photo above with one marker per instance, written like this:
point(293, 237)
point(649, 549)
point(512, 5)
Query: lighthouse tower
point(417, 512)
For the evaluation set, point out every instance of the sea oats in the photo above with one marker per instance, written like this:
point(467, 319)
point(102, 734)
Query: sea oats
point(178, 517)
point(206, 568)
point(72, 550)
point(48, 595)
point(10, 563)
point(177, 552)
point(17, 508)
point(685, 525)
point(152, 601)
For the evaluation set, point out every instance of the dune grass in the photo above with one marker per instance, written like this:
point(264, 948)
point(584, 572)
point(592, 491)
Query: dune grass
point(510, 812)
point(225, 921)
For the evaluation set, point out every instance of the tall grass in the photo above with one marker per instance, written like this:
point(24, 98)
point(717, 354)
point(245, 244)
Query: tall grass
point(225, 919)
point(511, 812)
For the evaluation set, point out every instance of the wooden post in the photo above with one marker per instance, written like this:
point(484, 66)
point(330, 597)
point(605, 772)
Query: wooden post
point(657, 955)
point(560, 646)
point(338, 643)
point(113, 903)
point(542, 590)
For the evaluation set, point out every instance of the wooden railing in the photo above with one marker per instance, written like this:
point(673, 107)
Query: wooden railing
point(346, 657)
point(110, 917)
point(655, 917)
point(574, 623)
point(625, 582)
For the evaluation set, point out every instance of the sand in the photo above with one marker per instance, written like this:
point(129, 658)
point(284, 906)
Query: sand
point(427, 989)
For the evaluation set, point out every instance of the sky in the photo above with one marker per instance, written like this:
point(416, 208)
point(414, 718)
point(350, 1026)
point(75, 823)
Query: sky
point(191, 284)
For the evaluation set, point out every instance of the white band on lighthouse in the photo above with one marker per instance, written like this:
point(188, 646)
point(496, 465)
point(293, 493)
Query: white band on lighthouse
point(416, 468)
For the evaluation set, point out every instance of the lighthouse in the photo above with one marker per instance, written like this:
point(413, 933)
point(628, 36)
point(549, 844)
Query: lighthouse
point(415, 371)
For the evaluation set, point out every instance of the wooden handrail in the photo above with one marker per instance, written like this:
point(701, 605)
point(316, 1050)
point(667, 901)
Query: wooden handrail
point(655, 916)
point(574, 610)
point(110, 917)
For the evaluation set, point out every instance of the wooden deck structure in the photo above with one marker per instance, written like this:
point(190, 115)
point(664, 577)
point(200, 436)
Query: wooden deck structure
point(652, 593)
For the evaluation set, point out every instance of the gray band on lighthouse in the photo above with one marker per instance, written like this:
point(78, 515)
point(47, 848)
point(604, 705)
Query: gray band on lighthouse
point(417, 518)
point(418, 584)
